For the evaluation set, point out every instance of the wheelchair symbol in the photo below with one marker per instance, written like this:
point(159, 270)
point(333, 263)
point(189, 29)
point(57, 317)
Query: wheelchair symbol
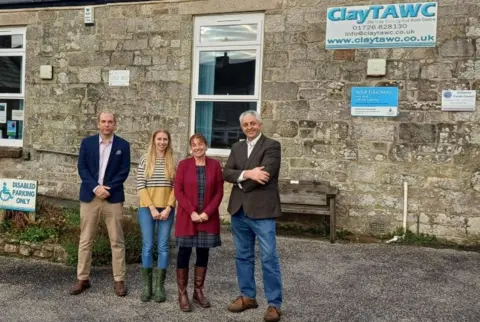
point(5, 194)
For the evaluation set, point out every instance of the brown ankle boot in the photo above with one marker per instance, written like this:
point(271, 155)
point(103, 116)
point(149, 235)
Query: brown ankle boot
point(182, 283)
point(199, 281)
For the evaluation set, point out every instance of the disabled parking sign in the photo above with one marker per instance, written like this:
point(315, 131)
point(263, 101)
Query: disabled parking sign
point(18, 195)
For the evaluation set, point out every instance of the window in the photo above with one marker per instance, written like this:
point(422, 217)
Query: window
point(12, 89)
point(226, 76)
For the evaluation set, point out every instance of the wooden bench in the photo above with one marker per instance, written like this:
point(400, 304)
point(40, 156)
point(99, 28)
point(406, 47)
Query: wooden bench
point(309, 197)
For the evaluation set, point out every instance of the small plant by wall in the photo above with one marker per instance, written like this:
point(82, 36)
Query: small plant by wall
point(54, 236)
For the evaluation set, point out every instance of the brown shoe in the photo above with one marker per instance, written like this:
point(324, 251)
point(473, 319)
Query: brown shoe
point(242, 303)
point(120, 289)
point(272, 314)
point(79, 287)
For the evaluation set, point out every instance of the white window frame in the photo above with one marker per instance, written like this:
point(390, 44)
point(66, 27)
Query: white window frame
point(15, 52)
point(256, 45)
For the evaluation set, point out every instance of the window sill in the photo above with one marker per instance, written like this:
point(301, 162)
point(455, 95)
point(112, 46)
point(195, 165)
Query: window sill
point(10, 153)
point(218, 152)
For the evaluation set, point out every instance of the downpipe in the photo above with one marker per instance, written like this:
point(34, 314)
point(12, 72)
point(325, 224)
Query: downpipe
point(405, 214)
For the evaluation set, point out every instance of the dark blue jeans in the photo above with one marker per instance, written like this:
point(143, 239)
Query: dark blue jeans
point(147, 226)
point(245, 230)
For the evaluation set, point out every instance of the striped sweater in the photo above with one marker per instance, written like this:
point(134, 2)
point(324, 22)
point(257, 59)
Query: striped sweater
point(157, 190)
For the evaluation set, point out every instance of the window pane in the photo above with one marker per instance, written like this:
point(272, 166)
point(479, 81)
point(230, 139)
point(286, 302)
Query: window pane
point(11, 119)
point(11, 41)
point(10, 74)
point(219, 122)
point(229, 33)
point(227, 72)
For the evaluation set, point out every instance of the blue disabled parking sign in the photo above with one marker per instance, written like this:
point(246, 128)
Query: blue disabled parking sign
point(374, 101)
point(18, 194)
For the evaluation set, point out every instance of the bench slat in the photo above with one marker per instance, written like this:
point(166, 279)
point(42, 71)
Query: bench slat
point(301, 209)
point(289, 186)
point(302, 198)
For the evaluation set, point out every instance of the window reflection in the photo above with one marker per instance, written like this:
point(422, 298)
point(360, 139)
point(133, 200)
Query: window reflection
point(227, 73)
point(10, 74)
point(11, 41)
point(247, 32)
point(219, 122)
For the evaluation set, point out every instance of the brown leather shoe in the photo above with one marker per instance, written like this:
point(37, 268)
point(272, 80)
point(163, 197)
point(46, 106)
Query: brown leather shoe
point(242, 303)
point(79, 287)
point(272, 314)
point(120, 289)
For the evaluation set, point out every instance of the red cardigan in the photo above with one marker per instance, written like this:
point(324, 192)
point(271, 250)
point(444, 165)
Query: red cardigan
point(186, 193)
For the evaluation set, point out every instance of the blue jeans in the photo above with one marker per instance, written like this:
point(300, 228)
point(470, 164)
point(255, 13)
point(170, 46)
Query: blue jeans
point(244, 232)
point(147, 226)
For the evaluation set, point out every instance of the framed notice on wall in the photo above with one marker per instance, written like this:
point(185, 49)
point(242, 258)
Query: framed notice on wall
point(459, 100)
point(119, 78)
point(374, 101)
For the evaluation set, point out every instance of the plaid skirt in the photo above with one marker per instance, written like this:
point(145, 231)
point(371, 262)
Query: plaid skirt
point(201, 240)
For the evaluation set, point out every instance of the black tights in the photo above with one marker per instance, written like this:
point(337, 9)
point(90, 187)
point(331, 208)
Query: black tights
point(184, 253)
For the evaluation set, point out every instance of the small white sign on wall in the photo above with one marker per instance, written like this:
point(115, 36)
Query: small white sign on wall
point(119, 78)
point(459, 100)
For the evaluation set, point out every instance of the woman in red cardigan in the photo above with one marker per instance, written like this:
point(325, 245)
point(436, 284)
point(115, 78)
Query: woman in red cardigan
point(198, 189)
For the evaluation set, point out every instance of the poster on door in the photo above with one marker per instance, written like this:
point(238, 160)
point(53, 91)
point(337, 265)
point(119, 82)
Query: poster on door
point(3, 113)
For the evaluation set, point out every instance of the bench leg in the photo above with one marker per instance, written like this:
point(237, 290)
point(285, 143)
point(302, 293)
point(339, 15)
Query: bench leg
point(333, 223)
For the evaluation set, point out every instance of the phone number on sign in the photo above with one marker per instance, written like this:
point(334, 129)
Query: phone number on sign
point(381, 27)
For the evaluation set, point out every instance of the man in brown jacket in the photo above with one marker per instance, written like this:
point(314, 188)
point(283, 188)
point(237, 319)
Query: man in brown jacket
point(253, 167)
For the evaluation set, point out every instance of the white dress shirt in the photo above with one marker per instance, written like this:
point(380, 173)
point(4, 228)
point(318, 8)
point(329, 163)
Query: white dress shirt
point(250, 146)
point(105, 147)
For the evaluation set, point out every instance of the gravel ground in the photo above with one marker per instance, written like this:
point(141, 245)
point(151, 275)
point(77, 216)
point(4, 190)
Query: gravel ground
point(322, 282)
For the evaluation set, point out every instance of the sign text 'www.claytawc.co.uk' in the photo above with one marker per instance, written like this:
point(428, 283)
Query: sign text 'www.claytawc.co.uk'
point(382, 26)
point(18, 194)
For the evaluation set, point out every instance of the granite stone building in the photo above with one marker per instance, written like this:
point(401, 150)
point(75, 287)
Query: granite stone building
point(195, 65)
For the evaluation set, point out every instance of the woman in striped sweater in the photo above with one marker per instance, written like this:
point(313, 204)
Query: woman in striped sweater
point(155, 178)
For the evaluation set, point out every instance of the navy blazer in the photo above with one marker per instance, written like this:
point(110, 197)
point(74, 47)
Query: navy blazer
point(116, 173)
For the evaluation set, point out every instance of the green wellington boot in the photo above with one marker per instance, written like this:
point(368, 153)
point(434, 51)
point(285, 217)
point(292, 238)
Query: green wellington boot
point(160, 275)
point(147, 285)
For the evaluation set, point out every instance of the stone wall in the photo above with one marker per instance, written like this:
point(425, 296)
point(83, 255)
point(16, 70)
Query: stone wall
point(305, 104)
point(48, 252)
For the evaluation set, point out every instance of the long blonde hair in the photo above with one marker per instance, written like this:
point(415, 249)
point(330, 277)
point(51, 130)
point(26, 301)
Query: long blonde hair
point(152, 156)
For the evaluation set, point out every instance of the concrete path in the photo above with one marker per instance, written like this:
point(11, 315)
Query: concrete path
point(322, 282)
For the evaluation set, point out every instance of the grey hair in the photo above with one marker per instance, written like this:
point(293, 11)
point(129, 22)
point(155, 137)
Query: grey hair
point(250, 112)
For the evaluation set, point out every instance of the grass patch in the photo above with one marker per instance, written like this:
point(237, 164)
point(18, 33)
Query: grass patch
point(101, 253)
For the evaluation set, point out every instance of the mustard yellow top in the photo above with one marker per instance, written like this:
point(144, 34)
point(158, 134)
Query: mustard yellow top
point(156, 190)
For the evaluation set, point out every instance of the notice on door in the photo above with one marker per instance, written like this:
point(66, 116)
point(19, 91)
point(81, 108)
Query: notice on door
point(3, 113)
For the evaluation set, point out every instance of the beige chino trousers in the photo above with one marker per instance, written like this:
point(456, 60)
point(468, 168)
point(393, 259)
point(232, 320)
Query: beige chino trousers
point(90, 213)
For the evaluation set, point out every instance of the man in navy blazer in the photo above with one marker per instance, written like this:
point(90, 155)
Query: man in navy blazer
point(103, 166)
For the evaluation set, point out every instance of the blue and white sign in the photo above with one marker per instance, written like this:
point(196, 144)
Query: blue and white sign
point(382, 26)
point(374, 101)
point(18, 194)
